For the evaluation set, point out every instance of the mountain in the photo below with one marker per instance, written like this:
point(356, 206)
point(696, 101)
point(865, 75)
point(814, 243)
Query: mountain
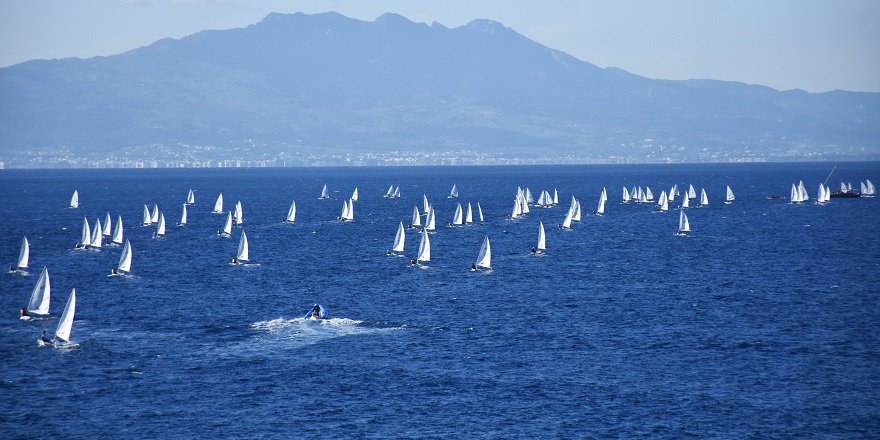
point(328, 83)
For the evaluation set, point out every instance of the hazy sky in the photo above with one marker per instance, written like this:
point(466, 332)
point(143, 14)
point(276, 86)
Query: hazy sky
point(813, 45)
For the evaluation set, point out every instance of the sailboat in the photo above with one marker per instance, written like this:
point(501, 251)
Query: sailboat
point(74, 201)
point(663, 202)
point(227, 227)
point(795, 196)
point(396, 194)
point(291, 213)
point(691, 194)
point(868, 190)
point(160, 229)
point(649, 196)
point(242, 253)
point(96, 235)
point(347, 211)
point(625, 198)
point(124, 260)
point(542, 240)
point(190, 198)
point(454, 193)
point(354, 195)
point(399, 239)
point(555, 197)
point(566, 224)
point(425, 205)
point(390, 192)
point(469, 216)
point(218, 205)
point(148, 219)
point(239, 217)
point(424, 249)
point(324, 193)
point(457, 219)
point(601, 208)
point(182, 221)
point(107, 225)
point(155, 216)
point(62, 332)
point(729, 197)
point(685, 202)
point(416, 218)
point(430, 220)
point(480, 212)
point(484, 258)
point(704, 200)
point(39, 303)
point(86, 236)
point(23, 256)
point(683, 224)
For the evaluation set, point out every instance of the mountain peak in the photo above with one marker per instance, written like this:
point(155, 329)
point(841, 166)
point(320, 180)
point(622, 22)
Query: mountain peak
point(488, 26)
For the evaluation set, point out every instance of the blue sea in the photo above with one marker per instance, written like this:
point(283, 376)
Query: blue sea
point(763, 322)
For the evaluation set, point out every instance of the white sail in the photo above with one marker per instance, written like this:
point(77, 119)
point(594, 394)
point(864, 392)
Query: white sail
point(729, 196)
point(543, 199)
point(457, 218)
point(218, 205)
point(672, 192)
point(430, 219)
point(155, 216)
point(454, 193)
point(802, 191)
point(96, 235)
point(191, 198)
point(555, 197)
point(870, 191)
point(39, 303)
point(399, 239)
point(354, 195)
point(469, 217)
point(795, 196)
point(239, 216)
point(424, 248)
point(528, 196)
point(576, 213)
point(125, 259)
point(117, 231)
point(601, 208)
point(183, 215)
point(86, 237)
point(484, 258)
point(148, 219)
point(291, 213)
point(390, 192)
point(480, 212)
point(160, 229)
point(683, 224)
point(62, 333)
point(542, 238)
point(24, 254)
point(227, 228)
point(74, 201)
point(685, 202)
point(324, 193)
point(820, 197)
point(692, 194)
point(347, 211)
point(416, 220)
point(649, 197)
point(396, 194)
point(242, 254)
point(425, 205)
point(567, 222)
point(517, 208)
point(663, 202)
point(107, 225)
point(704, 200)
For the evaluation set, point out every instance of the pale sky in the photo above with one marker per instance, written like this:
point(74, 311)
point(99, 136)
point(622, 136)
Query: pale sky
point(814, 45)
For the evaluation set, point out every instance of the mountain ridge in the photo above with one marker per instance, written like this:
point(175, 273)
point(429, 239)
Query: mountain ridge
point(326, 82)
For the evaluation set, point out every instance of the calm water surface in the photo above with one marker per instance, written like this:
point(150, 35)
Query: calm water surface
point(762, 323)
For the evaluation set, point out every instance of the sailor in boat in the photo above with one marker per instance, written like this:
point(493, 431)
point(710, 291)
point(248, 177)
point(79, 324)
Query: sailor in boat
point(114, 271)
point(234, 260)
point(473, 267)
point(534, 251)
point(413, 262)
point(13, 269)
point(45, 339)
point(24, 314)
point(316, 312)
